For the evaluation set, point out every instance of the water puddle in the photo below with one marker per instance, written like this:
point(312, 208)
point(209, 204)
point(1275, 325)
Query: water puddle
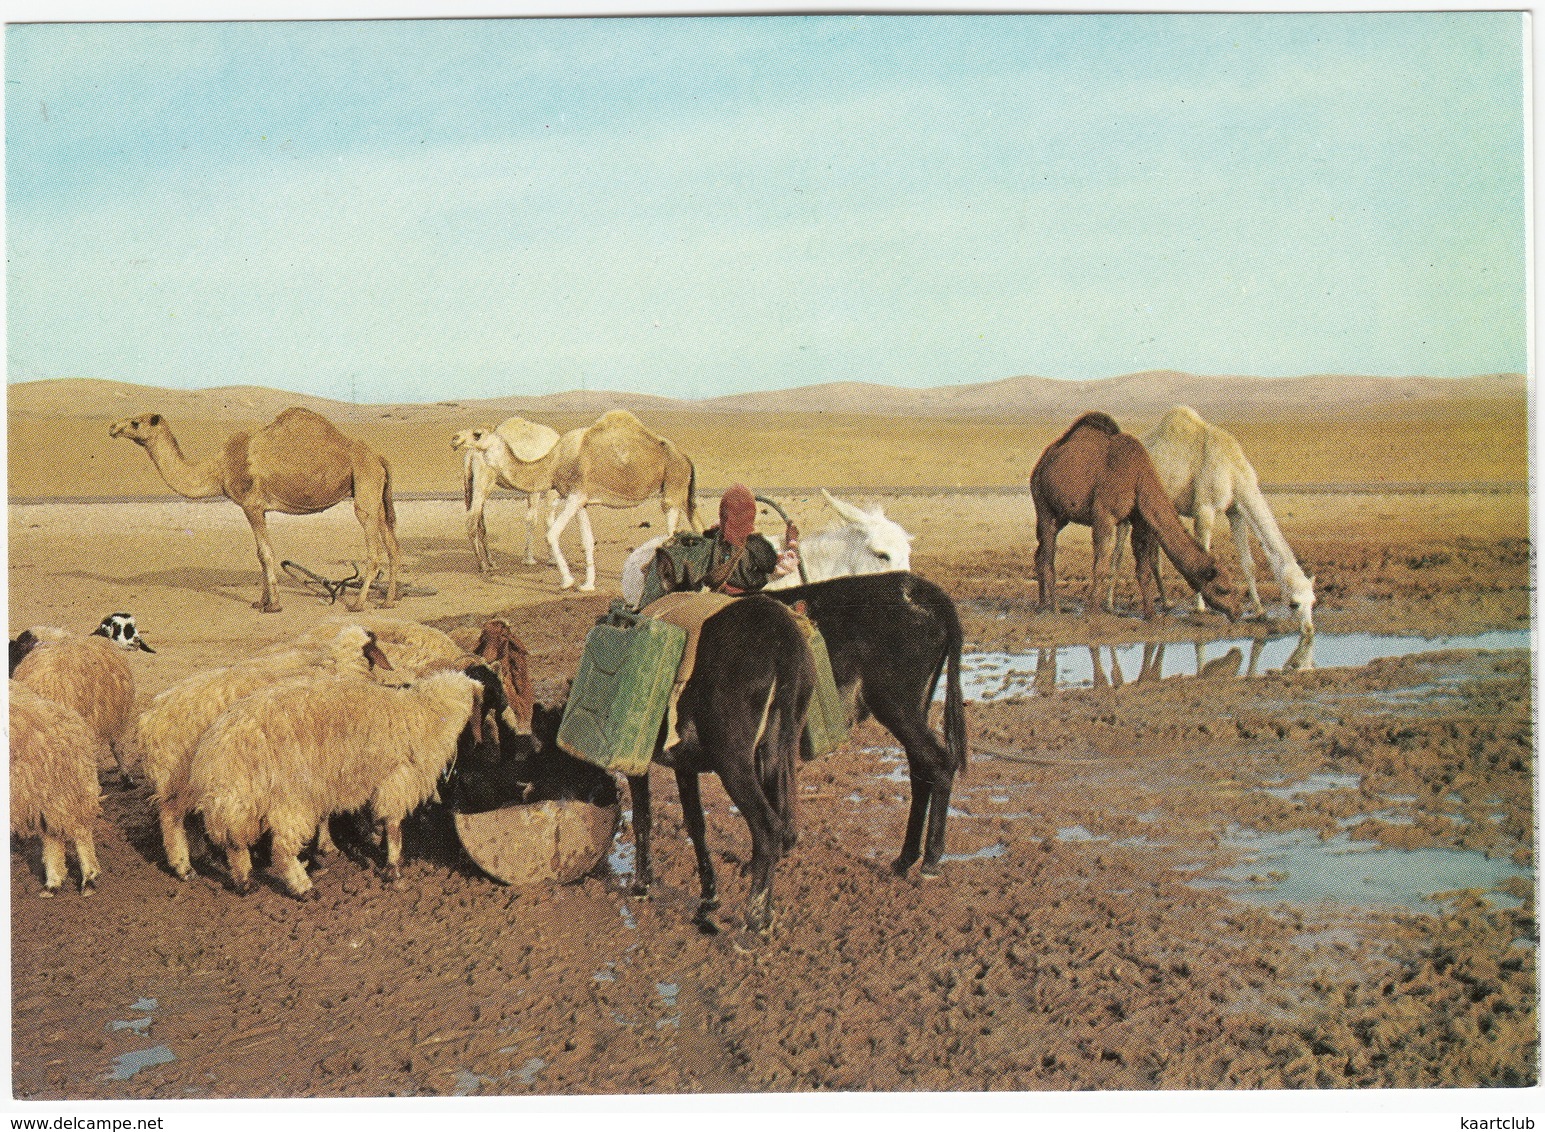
point(128, 1064)
point(991, 675)
point(131, 1063)
point(1300, 868)
point(986, 853)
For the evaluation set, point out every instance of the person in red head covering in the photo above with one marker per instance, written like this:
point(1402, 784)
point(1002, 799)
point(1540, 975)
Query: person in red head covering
point(730, 558)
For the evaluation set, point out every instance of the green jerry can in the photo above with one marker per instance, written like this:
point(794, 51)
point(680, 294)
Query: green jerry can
point(827, 723)
point(622, 691)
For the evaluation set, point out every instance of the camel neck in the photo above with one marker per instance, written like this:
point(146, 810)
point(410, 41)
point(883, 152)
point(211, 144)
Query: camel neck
point(184, 476)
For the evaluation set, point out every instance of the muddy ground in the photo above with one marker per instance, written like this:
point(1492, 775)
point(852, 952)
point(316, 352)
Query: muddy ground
point(1099, 923)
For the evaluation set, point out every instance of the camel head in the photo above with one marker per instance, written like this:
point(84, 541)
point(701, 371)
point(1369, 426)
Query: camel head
point(1218, 593)
point(470, 439)
point(1298, 588)
point(138, 429)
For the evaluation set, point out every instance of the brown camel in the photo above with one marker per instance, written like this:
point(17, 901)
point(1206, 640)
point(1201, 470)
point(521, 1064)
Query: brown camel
point(616, 462)
point(1098, 476)
point(297, 464)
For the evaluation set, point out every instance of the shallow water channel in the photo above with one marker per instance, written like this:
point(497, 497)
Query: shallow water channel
point(995, 675)
point(1298, 866)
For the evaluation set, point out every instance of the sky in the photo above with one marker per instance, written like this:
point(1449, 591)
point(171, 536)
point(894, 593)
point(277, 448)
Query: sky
point(429, 210)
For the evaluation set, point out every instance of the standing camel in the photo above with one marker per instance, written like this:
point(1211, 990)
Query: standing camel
point(1098, 476)
point(1204, 470)
point(617, 462)
point(297, 464)
point(519, 455)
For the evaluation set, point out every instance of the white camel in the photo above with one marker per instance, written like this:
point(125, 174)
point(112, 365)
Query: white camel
point(616, 462)
point(1205, 472)
point(518, 455)
point(865, 542)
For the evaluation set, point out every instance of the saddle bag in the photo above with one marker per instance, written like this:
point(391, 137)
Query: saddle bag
point(827, 723)
point(620, 695)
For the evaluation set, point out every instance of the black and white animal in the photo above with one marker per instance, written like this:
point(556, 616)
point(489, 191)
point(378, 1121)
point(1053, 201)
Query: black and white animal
point(119, 628)
point(890, 637)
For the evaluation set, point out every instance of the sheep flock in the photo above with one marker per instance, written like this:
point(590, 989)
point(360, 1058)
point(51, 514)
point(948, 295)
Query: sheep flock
point(359, 714)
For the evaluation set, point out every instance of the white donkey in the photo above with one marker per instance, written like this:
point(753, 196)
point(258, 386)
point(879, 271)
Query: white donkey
point(519, 455)
point(866, 542)
point(1205, 471)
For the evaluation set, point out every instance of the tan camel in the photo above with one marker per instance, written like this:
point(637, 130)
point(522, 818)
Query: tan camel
point(1204, 470)
point(297, 464)
point(518, 455)
point(617, 462)
point(1098, 476)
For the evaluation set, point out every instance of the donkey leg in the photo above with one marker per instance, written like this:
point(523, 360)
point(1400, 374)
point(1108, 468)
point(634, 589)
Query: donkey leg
point(688, 789)
point(740, 783)
point(638, 794)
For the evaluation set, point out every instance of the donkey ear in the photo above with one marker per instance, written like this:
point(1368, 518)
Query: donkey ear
point(849, 512)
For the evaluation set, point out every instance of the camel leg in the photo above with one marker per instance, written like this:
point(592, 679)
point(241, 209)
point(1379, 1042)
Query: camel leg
point(257, 519)
point(1046, 531)
point(533, 515)
point(380, 550)
point(1103, 530)
point(477, 525)
point(1202, 524)
point(1123, 533)
point(587, 540)
point(1241, 529)
point(572, 504)
point(1145, 559)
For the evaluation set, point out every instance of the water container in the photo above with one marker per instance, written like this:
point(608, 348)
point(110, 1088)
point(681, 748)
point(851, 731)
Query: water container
point(621, 693)
point(827, 723)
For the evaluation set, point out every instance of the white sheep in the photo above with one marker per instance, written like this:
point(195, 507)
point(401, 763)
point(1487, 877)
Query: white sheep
point(54, 792)
point(168, 731)
point(290, 755)
point(412, 648)
point(88, 674)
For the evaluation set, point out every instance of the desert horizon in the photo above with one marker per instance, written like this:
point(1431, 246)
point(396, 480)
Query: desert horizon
point(1474, 431)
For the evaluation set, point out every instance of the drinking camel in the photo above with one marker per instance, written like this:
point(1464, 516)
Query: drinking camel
point(1098, 476)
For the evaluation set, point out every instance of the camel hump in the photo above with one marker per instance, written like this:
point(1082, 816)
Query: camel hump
point(620, 419)
point(303, 425)
point(528, 441)
point(1101, 422)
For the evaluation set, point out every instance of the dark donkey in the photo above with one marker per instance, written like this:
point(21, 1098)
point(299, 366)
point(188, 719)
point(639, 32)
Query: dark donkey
point(890, 637)
point(740, 716)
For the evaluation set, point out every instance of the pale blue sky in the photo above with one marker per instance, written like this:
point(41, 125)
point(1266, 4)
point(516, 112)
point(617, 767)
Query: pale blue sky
point(693, 206)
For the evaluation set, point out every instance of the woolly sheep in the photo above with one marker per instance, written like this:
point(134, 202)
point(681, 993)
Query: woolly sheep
point(88, 674)
point(54, 792)
point(286, 757)
point(168, 731)
point(412, 648)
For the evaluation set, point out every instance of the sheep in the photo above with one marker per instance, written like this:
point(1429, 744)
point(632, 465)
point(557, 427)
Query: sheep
point(88, 674)
point(286, 757)
point(168, 731)
point(412, 648)
point(120, 629)
point(54, 791)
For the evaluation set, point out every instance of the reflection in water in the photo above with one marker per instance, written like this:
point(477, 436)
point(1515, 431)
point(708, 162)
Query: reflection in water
point(988, 675)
